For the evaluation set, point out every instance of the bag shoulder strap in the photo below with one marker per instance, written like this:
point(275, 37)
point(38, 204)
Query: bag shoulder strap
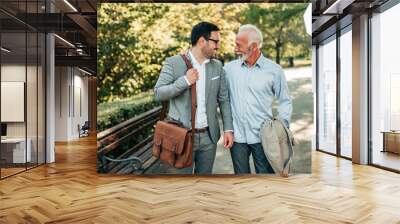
point(193, 95)
point(164, 110)
point(193, 91)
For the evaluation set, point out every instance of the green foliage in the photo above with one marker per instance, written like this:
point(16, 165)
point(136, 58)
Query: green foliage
point(135, 39)
point(283, 29)
point(129, 55)
point(113, 113)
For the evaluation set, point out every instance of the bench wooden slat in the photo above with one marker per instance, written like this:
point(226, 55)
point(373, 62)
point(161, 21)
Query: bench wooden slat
point(147, 157)
point(117, 127)
point(139, 153)
point(127, 137)
point(133, 150)
point(118, 134)
point(147, 165)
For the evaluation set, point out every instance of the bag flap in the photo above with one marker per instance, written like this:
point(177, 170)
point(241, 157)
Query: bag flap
point(170, 137)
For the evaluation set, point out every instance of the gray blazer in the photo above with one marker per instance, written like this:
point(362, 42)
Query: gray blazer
point(171, 85)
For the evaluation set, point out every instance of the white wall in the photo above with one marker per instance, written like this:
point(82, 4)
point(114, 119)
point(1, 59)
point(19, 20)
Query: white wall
point(61, 103)
point(81, 103)
point(71, 94)
point(12, 73)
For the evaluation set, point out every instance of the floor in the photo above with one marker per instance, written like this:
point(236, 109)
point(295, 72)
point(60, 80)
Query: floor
point(70, 191)
point(10, 170)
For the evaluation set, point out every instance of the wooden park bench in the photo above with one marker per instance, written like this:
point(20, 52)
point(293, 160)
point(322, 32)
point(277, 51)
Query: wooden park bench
point(137, 158)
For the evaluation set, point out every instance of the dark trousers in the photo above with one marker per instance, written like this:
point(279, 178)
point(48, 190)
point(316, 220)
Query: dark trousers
point(240, 153)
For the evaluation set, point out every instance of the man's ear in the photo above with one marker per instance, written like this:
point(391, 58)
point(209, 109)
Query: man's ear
point(201, 40)
point(253, 46)
point(250, 47)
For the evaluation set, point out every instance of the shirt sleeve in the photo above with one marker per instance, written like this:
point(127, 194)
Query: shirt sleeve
point(281, 92)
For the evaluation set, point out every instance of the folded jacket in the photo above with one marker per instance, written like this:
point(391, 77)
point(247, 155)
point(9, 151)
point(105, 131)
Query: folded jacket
point(277, 141)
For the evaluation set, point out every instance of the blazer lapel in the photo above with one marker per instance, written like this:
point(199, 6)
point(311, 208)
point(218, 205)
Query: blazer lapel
point(208, 80)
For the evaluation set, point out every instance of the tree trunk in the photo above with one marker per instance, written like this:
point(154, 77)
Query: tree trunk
point(278, 52)
point(278, 46)
point(291, 62)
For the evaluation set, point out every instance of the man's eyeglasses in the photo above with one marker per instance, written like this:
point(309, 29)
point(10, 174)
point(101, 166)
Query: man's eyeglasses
point(215, 41)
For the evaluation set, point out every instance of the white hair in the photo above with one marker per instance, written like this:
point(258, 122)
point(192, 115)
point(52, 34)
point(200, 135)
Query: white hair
point(255, 35)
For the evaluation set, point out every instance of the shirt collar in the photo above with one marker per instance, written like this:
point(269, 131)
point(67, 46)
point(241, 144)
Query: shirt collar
point(259, 63)
point(194, 59)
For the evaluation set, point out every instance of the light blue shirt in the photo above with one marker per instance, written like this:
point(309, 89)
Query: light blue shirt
point(252, 91)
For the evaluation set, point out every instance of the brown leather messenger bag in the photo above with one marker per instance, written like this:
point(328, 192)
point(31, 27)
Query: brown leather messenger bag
point(172, 143)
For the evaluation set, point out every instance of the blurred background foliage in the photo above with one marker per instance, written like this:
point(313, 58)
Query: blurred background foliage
point(134, 40)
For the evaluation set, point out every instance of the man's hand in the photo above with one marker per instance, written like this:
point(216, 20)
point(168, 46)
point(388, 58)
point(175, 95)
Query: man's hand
point(192, 75)
point(228, 140)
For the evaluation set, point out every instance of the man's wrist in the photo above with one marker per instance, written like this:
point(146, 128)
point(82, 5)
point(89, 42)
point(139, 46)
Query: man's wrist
point(187, 81)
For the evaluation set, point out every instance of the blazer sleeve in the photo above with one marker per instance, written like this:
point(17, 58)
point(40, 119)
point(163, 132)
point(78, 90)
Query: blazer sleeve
point(168, 86)
point(224, 103)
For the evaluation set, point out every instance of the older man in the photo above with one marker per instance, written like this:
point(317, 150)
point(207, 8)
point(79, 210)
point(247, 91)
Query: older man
point(211, 87)
point(254, 82)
